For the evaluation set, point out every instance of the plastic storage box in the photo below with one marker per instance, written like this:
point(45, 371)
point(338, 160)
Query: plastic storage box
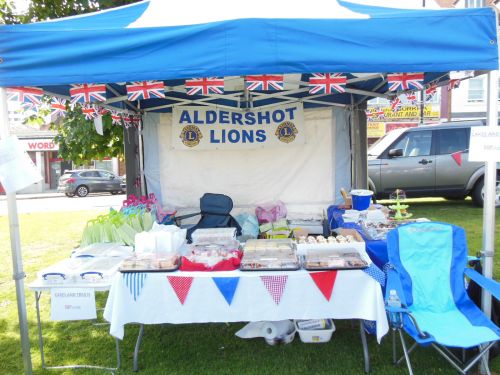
point(316, 336)
point(213, 235)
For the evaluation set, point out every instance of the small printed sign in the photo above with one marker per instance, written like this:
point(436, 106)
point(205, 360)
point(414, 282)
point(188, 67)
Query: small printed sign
point(72, 304)
point(484, 144)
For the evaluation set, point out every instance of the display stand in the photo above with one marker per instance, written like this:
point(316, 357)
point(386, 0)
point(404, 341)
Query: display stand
point(39, 288)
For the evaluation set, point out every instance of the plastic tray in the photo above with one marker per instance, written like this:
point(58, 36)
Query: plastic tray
point(324, 257)
point(147, 264)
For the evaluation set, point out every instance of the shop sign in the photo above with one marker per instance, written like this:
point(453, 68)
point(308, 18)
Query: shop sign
point(209, 128)
point(39, 144)
point(412, 112)
point(376, 129)
point(484, 144)
point(399, 125)
point(72, 304)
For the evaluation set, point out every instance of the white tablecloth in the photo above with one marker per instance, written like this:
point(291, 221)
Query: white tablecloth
point(149, 298)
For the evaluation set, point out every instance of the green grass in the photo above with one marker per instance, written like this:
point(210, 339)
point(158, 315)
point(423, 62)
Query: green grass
point(198, 348)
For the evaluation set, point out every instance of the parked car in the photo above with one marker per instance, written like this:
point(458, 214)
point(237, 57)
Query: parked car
point(84, 181)
point(429, 160)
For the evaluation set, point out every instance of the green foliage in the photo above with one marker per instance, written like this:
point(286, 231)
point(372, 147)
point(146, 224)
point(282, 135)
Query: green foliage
point(79, 142)
point(7, 12)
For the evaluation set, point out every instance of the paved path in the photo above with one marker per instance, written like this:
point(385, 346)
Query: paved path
point(51, 202)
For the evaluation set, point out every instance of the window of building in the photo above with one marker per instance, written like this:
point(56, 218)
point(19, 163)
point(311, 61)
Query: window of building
point(476, 90)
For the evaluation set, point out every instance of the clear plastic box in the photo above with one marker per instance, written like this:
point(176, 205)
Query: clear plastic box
point(213, 235)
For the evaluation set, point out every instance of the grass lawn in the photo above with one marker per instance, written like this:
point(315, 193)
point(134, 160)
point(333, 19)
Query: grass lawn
point(193, 349)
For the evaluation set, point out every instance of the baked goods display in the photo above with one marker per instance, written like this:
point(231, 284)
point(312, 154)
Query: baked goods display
point(149, 262)
point(379, 230)
point(269, 255)
point(212, 257)
point(322, 240)
point(333, 259)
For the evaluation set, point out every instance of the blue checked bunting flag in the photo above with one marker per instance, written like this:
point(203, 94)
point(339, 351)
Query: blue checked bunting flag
point(376, 273)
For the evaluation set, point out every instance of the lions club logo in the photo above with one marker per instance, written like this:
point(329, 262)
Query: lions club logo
point(286, 132)
point(191, 135)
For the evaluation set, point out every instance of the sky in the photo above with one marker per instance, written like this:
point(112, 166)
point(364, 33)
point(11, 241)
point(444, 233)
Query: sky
point(21, 5)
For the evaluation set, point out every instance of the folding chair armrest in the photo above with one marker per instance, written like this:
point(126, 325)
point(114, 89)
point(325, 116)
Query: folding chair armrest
point(393, 309)
point(178, 219)
point(490, 285)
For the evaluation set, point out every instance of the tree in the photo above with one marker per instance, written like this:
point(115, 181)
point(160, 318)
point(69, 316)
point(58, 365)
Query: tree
point(78, 141)
point(8, 12)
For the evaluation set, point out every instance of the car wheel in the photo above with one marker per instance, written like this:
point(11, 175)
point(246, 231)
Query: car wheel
point(82, 191)
point(478, 193)
point(114, 192)
point(71, 195)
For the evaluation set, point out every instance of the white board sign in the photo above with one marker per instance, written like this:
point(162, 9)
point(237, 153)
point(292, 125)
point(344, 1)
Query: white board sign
point(484, 144)
point(210, 128)
point(72, 304)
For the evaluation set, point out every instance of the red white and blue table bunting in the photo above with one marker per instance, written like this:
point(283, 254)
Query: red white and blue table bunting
point(235, 296)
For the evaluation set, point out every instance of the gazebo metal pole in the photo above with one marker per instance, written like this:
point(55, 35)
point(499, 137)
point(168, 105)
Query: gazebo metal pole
point(15, 245)
point(489, 190)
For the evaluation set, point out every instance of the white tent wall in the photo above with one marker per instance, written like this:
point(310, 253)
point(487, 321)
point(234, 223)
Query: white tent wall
point(306, 177)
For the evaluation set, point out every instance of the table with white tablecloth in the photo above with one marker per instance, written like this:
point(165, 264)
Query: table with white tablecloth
point(239, 296)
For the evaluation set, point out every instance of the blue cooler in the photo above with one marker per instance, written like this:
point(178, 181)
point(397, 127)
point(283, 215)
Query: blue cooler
point(361, 199)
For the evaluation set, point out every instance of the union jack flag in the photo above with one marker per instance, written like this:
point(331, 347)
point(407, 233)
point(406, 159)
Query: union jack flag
point(327, 83)
point(430, 91)
point(368, 113)
point(412, 97)
point(264, 83)
point(205, 86)
point(405, 81)
point(127, 121)
point(29, 95)
point(88, 92)
point(145, 90)
point(116, 119)
point(379, 113)
point(396, 104)
point(89, 111)
point(136, 121)
point(58, 107)
point(453, 84)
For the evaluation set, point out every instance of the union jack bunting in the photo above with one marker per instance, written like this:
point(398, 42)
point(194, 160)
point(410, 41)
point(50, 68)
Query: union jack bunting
point(58, 107)
point(405, 81)
point(411, 96)
point(379, 113)
point(453, 84)
point(89, 111)
point(264, 83)
point(29, 95)
point(136, 121)
point(430, 91)
point(145, 90)
point(88, 92)
point(205, 86)
point(396, 104)
point(127, 121)
point(327, 83)
point(368, 113)
point(116, 119)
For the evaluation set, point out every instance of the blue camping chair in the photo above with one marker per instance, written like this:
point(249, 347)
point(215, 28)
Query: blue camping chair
point(427, 264)
point(215, 212)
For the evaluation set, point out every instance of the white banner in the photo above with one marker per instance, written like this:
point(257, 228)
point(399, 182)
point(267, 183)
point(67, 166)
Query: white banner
point(210, 128)
point(484, 144)
point(72, 304)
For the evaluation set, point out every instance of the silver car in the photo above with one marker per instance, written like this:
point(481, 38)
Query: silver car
point(430, 160)
point(84, 181)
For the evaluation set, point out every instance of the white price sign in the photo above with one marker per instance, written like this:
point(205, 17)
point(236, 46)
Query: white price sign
point(484, 144)
point(72, 304)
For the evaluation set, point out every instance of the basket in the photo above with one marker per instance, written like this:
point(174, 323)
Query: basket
point(316, 336)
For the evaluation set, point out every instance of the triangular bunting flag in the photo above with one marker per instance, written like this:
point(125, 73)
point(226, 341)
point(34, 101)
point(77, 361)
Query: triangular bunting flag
point(324, 281)
point(181, 286)
point(275, 285)
point(227, 286)
point(135, 283)
point(457, 156)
